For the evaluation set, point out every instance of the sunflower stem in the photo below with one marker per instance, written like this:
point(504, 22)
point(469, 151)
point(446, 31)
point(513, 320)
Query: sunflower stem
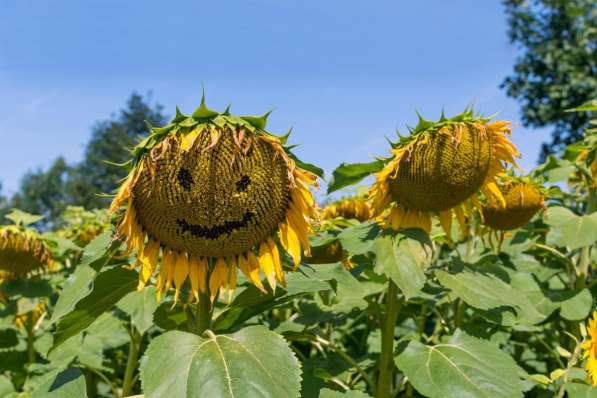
point(30, 339)
point(131, 364)
point(203, 314)
point(386, 359)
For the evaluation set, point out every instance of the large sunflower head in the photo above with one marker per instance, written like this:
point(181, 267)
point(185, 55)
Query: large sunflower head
point(22, 250)
point(590, 350)
point(440, 166)
point(211, 192)
point(523, 200)
point(349, 208)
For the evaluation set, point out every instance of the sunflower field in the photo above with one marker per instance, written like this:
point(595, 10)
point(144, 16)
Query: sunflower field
point(223, 268)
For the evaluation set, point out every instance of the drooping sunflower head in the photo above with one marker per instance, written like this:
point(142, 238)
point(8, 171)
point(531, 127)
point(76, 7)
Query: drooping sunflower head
point(440, 166)
point(590, 350)
point(523, 200)
point(349, 208)
point(212, 192)
point(82, 225)
point(22, 252)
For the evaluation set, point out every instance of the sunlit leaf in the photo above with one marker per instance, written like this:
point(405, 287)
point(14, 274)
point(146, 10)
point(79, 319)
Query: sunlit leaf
point(463, 366)
point(253, 362)
point(568, 229)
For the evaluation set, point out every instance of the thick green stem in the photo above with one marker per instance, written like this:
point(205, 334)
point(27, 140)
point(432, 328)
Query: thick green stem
point(131, 364)
point(203, 314)
point(386, 359)
point(30, 339)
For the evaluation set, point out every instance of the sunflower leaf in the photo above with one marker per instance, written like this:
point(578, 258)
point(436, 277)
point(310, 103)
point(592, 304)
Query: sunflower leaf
point(464, 366)
point(95, 255)
point(404, 259)
point(62, 383)
point(307, 166)
point(109, 287)
point(486, 292)
point(19, 217)
point(568, 229)
point(253, 362)
point(327, 393)
point(348, 174)
point(140, 306)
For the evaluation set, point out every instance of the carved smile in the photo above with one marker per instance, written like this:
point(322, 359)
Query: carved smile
point(216, 231)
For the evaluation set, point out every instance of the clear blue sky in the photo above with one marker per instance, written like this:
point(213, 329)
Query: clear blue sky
point(342, 73)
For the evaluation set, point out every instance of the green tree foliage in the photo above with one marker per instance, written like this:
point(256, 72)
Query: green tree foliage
point(110, 143)
point(50, 192)
point(45, 192)
point(558, 66)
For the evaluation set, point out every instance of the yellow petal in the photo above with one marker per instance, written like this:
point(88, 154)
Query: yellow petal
point(294, 245)
point(218, 278)
point(254, 267)
point(188, 140)
point(168, 264)
point(231, 278)
point(266, 263)
point(148, 260)
point(445, 219)
point(490, 189)
point(462, 221)
point(251, 270)
point(181, 271)
point(395, 217)
point(277, 263)
point(194, 276)
point(297, 223)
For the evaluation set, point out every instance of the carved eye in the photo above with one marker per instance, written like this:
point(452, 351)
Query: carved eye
point(242, 184)
point(185, 179)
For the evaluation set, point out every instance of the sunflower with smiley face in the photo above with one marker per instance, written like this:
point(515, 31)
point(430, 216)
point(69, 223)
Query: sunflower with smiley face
point(210, 193)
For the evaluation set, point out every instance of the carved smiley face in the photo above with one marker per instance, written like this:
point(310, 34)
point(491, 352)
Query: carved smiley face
point(212, 201)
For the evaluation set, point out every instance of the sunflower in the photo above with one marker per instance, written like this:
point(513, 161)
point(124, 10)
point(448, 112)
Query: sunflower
point(523, 200)
point(83, 225)
point(440, 168)
point(22, 252)
point(349, 208)
point(590, 350)
point(210, 192)
point(326, 247)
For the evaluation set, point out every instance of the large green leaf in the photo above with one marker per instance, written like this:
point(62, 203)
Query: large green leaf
point(359, 239)
point(105, 333)
point(69, 383)
point(140, 306)
point(485, 291)
point(568, 229)
point(109, 288)
point(464, 366)
point(348, 174)
point(253, 362)
point(578, 390)
point(6, 386)
point(404, 259)
point(327, 393)
point(96, 254)
point(575, 306)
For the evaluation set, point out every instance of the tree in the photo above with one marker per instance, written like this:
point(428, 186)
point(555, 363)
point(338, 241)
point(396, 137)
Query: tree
point(49, 192)
point(558, 68)
point(45, 192)
point(110, 144)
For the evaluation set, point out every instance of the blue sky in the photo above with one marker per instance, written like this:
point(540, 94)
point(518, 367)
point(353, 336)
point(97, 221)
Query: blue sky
point(343, 73)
